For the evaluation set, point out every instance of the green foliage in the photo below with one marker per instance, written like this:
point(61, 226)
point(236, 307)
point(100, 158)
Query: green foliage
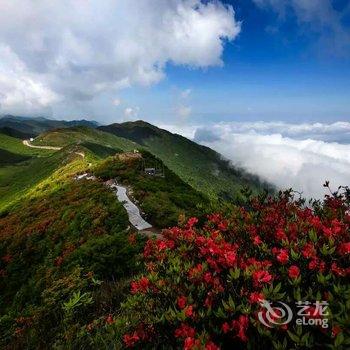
point(64, 255)
point(163, 199)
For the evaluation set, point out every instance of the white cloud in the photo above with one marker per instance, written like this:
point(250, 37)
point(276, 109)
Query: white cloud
point(131, 113)
point(20, 90)
point(287, 155)
point(78, 49)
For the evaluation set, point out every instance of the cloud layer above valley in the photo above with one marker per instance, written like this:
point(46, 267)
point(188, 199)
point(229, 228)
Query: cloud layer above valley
point(57, 50)
point(301, 156)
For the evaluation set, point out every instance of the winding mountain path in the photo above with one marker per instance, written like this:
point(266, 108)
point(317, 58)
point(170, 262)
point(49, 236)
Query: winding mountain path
point(28, 144)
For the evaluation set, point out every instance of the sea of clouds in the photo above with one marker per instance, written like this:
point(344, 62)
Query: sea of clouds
point(301, 156)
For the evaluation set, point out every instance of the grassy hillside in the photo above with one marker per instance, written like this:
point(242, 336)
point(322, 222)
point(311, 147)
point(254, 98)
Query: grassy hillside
point(15, 146)
point(19, 179)
point(97, 141)
point(67, 254)
point(65, 260)
point(201, 167)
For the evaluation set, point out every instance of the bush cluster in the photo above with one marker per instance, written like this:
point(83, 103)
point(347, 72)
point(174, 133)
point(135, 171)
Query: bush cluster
point(205, 284)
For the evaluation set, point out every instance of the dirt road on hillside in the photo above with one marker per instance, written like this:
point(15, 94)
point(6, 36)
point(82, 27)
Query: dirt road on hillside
point(28, 144)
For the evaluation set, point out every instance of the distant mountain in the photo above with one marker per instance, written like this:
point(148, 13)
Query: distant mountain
point(25, 127)
point(200, 166)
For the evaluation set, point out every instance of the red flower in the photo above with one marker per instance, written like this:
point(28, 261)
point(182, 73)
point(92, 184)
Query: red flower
point(185, 331)
point(191, 222)
point(181, 302)
point(280, 234)
point(131, 340)
point(109, 319)
point(211, 346)
point(293, 272)
point(283, 256)
point(241, 326)
point(141, 285)
point(313, 264)
point(230, 258)
point(337, 270)
point(189, 311)
point(309, 251)
point(344, 248)
point(257, 240)
point(256, 297)
point(190, 343)
point(225, 327)
point(260, 277)
point(336, 330)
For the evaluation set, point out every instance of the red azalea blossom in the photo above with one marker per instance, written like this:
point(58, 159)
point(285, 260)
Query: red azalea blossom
point(181, 302)
point(256, 297)
point(109, 319)
point(336, 330)
point(344, 248)
point(309, 250)
point(191, 222)
point(211, 346)
point(185, 331)
point(225, 327)
point(141, 285)
point(189, 311)
point(241, 326)
point(257, 240)
point(293, 272)
point(283, 256)
point(260, 277)
point(131, 339)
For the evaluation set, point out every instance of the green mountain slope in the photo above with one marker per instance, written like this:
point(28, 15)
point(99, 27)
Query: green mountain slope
point(67, 251)
point(99, 142)
point(199, 166)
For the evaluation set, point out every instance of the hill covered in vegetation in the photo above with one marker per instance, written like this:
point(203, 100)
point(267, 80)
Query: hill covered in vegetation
point(25, 127)
point(199, 166)
point(67, 251)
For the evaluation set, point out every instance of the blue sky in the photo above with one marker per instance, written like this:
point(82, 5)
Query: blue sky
point(240, 60)
point(276, 69)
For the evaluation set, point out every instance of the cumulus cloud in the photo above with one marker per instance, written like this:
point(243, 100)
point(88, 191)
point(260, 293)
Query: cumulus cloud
point(287, 155)
point(77, 49)
point(316, 17)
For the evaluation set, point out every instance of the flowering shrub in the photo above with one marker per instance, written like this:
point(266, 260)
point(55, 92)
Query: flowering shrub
point(204, 283)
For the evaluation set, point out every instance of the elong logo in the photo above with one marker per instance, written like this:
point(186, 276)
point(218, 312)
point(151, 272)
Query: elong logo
point(309, 314)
